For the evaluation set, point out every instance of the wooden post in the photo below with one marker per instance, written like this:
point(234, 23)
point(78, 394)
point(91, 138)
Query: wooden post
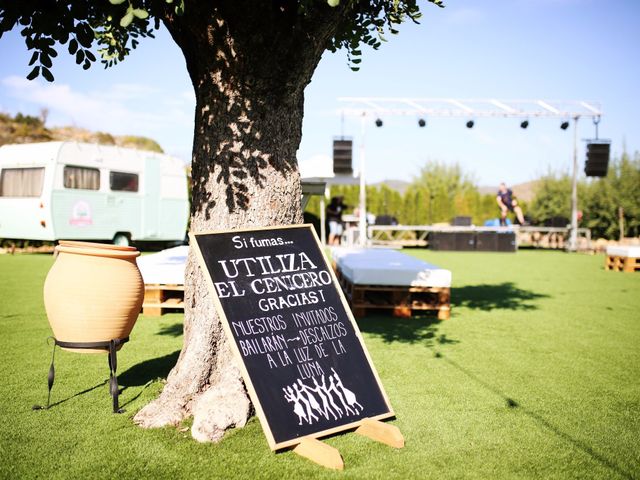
point(621, 222)
point(320, 453)
point(444, 304)
point(381, 432)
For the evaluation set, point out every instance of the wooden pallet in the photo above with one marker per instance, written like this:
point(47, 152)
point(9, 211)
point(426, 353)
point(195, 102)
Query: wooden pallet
point(159, 299)
point(622, 264)
point(401, 301)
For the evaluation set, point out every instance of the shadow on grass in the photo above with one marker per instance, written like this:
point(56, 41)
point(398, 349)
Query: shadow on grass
point(506, 296)
point(418, 329)
point(149, 370)
point(175, 330)
point(87, 390)
point(539, 419)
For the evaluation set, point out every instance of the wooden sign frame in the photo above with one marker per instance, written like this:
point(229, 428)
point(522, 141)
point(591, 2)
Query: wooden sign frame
point(273, 444)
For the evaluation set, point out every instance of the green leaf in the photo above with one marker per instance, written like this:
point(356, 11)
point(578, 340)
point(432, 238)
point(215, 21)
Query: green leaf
point(34, 57)
point(85, 35)
point(73, 46)
point(333, 3)
point(45, 60)
point(116, 2)
point(127, 19)
point(34, 73)
point(140, 13)
point(180, 8)
point(46, 73)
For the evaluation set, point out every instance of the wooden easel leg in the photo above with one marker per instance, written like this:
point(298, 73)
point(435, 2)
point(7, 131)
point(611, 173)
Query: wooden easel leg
point(320, 453)
point(381, 432)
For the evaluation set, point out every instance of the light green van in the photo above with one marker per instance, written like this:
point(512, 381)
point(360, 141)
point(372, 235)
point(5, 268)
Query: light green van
point(81, 191)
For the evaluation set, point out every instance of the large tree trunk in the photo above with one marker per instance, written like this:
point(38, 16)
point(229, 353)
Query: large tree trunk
point(249, 69)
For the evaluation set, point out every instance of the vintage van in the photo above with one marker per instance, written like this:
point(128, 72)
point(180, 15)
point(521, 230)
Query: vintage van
point(80, 191)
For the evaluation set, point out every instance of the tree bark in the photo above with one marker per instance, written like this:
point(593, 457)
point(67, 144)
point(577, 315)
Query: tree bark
point(249, 63)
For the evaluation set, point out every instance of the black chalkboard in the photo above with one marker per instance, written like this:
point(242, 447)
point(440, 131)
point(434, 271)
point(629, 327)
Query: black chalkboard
point(304, 362)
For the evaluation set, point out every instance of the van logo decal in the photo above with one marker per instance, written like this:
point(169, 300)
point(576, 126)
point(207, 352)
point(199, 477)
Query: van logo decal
point(81, 214)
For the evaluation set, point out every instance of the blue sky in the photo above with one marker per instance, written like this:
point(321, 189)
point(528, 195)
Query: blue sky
point(504, 49)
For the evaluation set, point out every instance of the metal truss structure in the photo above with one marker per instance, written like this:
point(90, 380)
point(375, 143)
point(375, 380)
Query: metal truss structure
point(467, 108)
point(423, 108)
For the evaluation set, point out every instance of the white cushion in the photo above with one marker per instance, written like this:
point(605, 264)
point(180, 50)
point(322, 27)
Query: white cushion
point(620, 251)
point(383, 266)
point(165, 267)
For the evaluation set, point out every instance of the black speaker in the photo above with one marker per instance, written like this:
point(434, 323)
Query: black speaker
point(465, 241)
point(506, 242)
point(386, 220)
point(461, 221)
point(597, 160)
point(442, 240)
point(487, 241)
point(342, 157)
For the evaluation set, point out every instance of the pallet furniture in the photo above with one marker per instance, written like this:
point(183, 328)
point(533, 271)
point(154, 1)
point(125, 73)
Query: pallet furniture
point(388, 280)
point(163, 276)
point(159, 299)
point(422, 236)
point(623, 258)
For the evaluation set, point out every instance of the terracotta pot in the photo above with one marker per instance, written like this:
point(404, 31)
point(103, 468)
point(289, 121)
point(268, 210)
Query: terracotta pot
point(108, 246)
point(93, 293)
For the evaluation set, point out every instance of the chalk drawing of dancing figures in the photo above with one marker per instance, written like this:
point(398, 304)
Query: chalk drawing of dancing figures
point(332, 388)
point(327, 392)
point(308, 392)
point(325, 397)
point(304, 401)
point(348, 394)
point(297, 407)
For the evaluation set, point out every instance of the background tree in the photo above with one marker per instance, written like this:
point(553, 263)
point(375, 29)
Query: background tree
point(553, 198)
point(619, 189)
point(249, 63)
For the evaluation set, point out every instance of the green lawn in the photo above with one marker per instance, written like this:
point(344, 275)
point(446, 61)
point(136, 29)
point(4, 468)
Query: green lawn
point(536, 375)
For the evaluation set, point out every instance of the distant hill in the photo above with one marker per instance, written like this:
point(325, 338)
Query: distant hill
point(398, 185)
point(28, 129)
point(524, 191)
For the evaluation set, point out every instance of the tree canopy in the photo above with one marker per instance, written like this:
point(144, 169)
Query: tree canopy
point(115, 27)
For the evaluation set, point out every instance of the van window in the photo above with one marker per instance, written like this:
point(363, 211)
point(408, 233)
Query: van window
point(81, 178)
point(123, 182)
point(21, 182)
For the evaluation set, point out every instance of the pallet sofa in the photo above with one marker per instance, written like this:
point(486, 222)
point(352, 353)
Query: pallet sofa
point(163, 276)
point(623, 258)
point(388, 280)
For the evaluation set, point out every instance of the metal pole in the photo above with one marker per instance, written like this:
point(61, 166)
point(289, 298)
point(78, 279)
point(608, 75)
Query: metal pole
point(323, 219)
point(573, 236)
point(362, 227)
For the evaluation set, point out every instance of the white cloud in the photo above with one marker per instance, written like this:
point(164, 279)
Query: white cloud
point(123, 108)
point(316, 166)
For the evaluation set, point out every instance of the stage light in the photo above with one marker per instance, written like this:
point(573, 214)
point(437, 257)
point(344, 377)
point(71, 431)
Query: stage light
point(378, 122)
point(524, 124)
point(470, 124)
point(422, 122)
point(564, 125)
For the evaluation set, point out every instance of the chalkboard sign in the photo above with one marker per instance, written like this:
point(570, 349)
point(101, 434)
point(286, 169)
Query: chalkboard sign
point(303, 359)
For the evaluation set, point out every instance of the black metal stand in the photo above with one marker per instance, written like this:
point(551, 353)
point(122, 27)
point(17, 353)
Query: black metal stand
point(111, 346)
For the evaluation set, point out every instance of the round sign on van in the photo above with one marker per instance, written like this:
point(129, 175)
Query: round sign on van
point(81, 214)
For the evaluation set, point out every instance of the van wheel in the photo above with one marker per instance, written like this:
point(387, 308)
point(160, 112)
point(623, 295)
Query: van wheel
point(121, 240)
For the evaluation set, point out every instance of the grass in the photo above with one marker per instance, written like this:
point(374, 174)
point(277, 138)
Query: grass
point(536, 375)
